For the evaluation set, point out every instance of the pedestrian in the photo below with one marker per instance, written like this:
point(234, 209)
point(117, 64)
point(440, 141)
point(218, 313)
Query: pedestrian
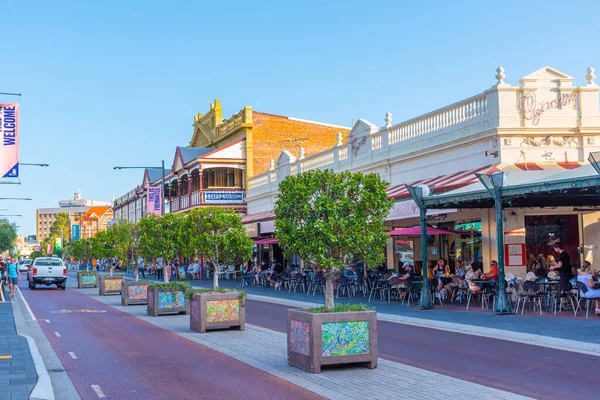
point(141, 267)
point(13, 276)
point(159, 269)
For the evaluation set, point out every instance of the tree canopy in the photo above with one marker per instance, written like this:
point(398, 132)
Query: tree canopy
point(8, 235)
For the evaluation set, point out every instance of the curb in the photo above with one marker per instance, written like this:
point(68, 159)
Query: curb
point(43, 388)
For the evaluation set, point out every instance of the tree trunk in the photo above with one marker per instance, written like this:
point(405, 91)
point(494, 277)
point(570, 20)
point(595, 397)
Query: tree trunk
point(166, 273)
point(329, 279)
point(216, 277)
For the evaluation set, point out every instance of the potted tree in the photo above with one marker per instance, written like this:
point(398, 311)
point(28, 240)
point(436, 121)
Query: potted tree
point(136, 291)
point(158, 239)
point(219, 235)
point(82, 250)
point(113, 241)
point(329, 219)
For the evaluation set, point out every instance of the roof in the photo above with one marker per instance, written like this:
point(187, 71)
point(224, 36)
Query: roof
point(98, 211)
point(190, 153)
point(155, 174)
point(261, 216)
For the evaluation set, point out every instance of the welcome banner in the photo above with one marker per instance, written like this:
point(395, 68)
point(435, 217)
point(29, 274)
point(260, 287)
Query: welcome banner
point(154, 199)
point(9, 134)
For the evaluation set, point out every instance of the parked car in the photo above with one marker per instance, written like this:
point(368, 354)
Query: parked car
point(24, 263)
point(48, 271)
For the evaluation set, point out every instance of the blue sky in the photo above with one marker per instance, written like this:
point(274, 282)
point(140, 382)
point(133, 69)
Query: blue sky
point(118, 82)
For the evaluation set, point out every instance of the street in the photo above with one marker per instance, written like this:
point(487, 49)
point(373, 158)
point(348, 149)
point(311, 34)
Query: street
point(128, 358)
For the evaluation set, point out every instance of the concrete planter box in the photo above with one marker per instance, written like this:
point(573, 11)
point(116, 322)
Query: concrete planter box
point(169, 301)
point(87, 279)
point(315, 340)
point(215, 310)
point(134, 292)
point(110, 284)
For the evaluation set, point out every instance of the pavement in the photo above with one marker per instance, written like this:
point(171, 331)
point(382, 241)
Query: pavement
point(17, 369)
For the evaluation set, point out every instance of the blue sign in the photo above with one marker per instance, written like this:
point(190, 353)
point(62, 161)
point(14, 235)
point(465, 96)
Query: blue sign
point(75, 232)
point(222, 197)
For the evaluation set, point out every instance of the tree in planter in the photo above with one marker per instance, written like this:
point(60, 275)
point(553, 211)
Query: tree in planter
point(82, 250)
point(218, 234)
point(118, 239)
point(134, 247)
point(328, 219)
point(8, 235)
point(102, 247)
point(159, 237)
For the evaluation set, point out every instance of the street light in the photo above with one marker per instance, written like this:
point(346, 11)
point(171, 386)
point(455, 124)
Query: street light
point(10, 215)
point(162, 182)
point(594, 159)
point(15, 198)
point(34, 165)
point(419, 193)
point(494, 185)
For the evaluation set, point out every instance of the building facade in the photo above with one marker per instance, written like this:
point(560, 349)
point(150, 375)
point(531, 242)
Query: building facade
point(544, 125)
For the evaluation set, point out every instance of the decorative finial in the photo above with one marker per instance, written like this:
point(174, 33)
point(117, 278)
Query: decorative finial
point(388, 119)
point(272, 164)
point(500, 76)
point(339, 139)
point(590, 76)
point(302, 152)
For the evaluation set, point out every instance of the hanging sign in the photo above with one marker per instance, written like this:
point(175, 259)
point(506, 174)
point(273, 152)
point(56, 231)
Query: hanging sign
point(9, 133)
point(154, 198)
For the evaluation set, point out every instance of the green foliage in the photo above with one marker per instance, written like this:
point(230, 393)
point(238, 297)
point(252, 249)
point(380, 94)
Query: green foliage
point(80, 273)
point(218, 234)
point(172, 286)
point(81, 249)
point(8, 235)
point(117, 241)
point(340, 308)
point(61, 227)
point(191, 293)
point(36, 254)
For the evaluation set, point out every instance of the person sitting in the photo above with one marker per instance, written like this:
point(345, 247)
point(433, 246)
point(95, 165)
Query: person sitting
point(541, 270)
point(247, 272)
point(585, 276)
point(492, 274)
point(272, 277)
point(408, 276)
point(457, 279)
point(473, 274)
point(441, 270)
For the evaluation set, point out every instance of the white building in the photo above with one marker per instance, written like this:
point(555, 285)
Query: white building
point(544, 124)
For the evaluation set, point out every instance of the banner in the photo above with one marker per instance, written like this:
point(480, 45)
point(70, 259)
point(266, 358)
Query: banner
point(49, 249)
point(75, 232)
point(9, 132)
point(154, 199)
point(58, 244)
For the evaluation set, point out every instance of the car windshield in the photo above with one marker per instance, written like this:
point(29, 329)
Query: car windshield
point(49, 262)
point(25, 262)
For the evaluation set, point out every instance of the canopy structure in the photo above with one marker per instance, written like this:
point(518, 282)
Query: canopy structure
point(576, 187)
point(266, 241)
point(416, 231)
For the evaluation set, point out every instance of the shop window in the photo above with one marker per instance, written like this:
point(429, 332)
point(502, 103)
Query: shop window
point(540, 230)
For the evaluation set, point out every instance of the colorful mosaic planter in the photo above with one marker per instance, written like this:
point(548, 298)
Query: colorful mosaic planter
point(88, 279)
point(217, 310)
point(110, 284)
point(315, 340)
point(134, 292)
point(166, 302)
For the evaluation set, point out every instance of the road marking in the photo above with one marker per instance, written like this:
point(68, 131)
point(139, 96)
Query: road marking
point(81, 311)
point(47, 321)
point(5, 357)
point(98, 390)
point(57, 334)
point(26, 305)
point(73, 356)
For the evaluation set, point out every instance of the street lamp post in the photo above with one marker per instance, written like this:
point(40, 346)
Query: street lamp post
point(34, 165)
point(419, 193)
point(162, 183)
point(10, 215)
point(498, 181)
point(15, 198)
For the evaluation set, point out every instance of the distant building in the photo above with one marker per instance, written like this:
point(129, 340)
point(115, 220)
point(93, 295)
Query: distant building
point(76, 209)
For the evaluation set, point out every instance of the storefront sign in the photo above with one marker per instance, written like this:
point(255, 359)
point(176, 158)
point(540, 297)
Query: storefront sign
point(252, 229)
point(223, 197)
point(9, 134)
point(267, 227)
point(516, 236)
point(533, 109)
point(154, 198)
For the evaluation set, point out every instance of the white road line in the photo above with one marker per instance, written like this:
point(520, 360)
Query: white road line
point(26, 305)
point(73, 356)
point(98, 390)
point(57, 334)
point(47, 320)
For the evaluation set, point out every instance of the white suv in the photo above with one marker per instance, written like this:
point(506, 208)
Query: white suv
point(48, 271)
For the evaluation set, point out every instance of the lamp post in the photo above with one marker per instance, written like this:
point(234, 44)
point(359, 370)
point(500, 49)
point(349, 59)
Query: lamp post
point(15, 198)
point(10, 215)
point(494, 185)
point(162, 183)
point(419, 193)
point(34, 165)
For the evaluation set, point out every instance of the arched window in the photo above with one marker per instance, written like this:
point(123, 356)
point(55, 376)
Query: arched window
point(195, 180)
point(183, 185)
point(174, 192)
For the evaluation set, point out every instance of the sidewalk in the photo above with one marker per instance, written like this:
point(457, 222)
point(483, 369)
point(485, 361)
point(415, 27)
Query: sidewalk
point(573, 333)
point(17, 370)
point(267, 349)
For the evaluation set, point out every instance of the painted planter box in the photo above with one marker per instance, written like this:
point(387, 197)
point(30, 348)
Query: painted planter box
point(87, 279)
point(216, 310)
point(315, 340)
point(167, 301)
point(110, 284)
point(134, 292)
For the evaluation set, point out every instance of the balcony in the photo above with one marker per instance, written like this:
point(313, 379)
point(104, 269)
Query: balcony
point(209, 196)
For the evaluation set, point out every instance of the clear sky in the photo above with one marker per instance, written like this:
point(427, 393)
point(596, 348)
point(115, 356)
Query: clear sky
point(118, 82)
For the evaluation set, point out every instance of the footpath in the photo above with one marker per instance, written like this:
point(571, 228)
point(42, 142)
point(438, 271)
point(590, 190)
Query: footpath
point(17, 369)
point(265, 349)
point(565, 333)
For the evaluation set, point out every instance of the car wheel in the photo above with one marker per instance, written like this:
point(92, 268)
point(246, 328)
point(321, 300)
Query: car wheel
point(31, 286)
point(63, 287)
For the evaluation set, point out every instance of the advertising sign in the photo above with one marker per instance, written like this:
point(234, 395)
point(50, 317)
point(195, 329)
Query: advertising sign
point(9, 132)
point(49, 249)
point(58, 244)
point(222, 197)
point(75, 232)
point(154, 199)
point(31, 239)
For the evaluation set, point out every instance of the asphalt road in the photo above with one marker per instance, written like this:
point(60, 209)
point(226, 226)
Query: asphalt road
point(131, 359)
point(528, 370)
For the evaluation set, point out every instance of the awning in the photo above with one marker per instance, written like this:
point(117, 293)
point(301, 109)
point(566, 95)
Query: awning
point(266, 241)
point(261, 216)
point(416, 231)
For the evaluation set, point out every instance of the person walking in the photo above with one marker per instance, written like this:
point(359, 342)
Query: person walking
point(141, 267)
point(13, 276)
point(159, 269)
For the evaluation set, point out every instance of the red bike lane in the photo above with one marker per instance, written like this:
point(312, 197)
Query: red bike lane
point(132, 359)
